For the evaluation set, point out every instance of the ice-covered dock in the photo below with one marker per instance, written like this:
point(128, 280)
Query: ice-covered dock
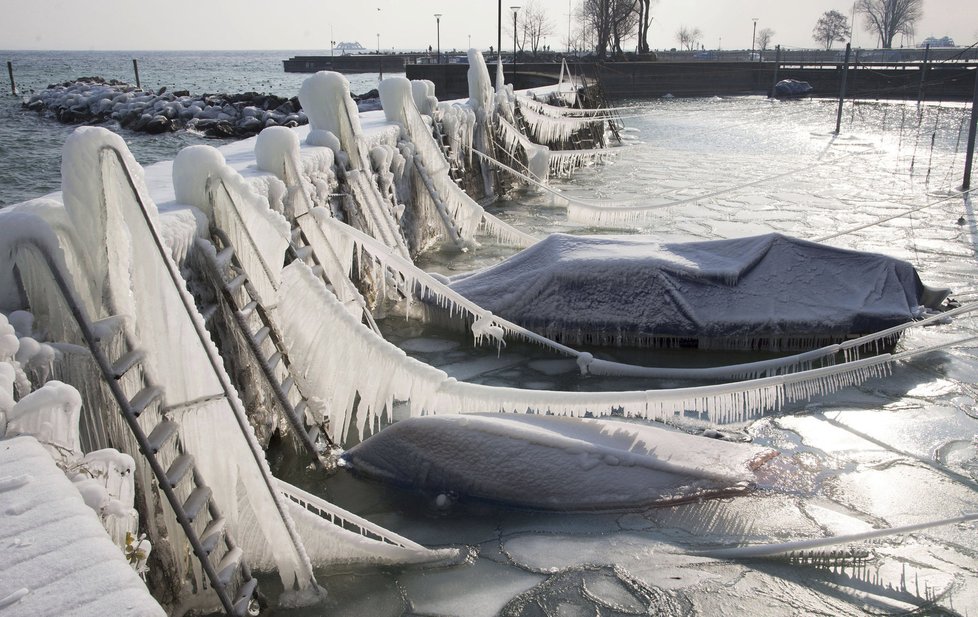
point(57, 558)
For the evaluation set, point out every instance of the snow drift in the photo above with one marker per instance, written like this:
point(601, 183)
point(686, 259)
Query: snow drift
point(554, 462)
point(767, 292)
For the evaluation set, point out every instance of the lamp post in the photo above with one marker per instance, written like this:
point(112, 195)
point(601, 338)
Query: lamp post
point(438, 28)
point(753, 40)
point(470, 41)
point(378, 42)
point(515, 9)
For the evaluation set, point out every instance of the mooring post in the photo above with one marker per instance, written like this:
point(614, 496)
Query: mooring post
point(923, 75)
point(10, 71)
point(777, 65)
point(969, 155)
point(135, 68)
point(842, 90)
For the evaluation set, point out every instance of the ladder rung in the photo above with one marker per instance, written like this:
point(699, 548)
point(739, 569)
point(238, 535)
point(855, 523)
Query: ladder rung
point(274, 360)
point(303, 252)
point(236, 283)
point(318, 270)
point(144, 398)
point(243, 597)
point(229, 565)
point(179, 468)
point(260, 336)
point(224, 256)
point(161, 434)
point(296, 233)
point(107, 327)
point(212, 534)
point(126, 362)
point(196, 502)
point(287, 384)
point(248, 309)
point(314, 433)
point(300, 409)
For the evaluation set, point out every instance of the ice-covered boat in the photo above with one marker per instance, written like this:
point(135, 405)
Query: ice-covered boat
point(552, 462)
point(769, 292)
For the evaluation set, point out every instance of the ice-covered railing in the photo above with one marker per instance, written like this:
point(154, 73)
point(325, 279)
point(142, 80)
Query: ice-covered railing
point(335, 122)
point(553, 111)
point(107, 201)
point(560, 162)
point(461, 214)
point(202, 179)
point(552, 130)
point(348, 538)
point(340, 380)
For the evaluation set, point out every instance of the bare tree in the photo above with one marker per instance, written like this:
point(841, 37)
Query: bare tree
point(888, 18)
point(644, 9)
point(764, 38)
point(689, 37)
point(536, 25)
point(611, 21)
point(832, 26)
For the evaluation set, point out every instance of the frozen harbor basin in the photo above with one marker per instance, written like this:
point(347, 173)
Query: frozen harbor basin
point(893, 451)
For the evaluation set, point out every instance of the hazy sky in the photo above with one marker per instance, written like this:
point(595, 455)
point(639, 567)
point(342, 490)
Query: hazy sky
point(310, 24)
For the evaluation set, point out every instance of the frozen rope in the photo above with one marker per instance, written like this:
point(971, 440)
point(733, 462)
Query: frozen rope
point(769, 550)
point(885, 219)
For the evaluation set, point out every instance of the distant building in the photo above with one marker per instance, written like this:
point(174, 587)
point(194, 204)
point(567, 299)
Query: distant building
point(933, 41)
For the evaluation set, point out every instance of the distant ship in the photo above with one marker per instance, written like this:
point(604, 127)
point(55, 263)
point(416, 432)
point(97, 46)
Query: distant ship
point(347, 46)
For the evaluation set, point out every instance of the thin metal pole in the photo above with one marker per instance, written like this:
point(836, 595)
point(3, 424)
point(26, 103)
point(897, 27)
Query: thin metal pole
point(969, 155)
point(10, 71)
point(135, 68)
point(499, 33)
point(777, 65)
point(842, 90)
point(923, 75)
point(514, 49)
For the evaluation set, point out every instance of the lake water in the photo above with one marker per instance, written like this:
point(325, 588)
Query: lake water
point(893, 451)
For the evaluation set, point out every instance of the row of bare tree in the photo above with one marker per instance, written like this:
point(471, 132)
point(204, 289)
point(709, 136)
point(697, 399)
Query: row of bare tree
point(603, 25)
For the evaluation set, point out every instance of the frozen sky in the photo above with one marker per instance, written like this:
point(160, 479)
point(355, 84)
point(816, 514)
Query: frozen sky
point(307, 24)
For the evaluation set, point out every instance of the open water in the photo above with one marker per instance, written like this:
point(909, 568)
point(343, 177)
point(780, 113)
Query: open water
point(893, 451)
point(30, 144)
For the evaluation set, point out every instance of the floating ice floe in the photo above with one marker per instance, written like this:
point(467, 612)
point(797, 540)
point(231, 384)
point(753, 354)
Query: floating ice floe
point(551, 462)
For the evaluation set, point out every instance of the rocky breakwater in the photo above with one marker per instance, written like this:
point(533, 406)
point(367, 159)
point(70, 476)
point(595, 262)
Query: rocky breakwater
point(91, 100)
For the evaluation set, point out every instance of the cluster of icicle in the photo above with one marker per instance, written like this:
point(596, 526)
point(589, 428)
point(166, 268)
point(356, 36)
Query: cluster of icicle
point(561, 163)
point(460, 212)
point(50, 413)
point(550, 129)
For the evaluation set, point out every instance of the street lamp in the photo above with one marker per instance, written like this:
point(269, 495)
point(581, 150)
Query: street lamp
point(378, 42)
point(470, 42)
point(753, 40)
point(515, 9)
point(438, 27)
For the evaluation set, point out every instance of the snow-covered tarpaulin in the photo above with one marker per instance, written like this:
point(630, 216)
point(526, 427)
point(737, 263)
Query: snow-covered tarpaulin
point(762, 292)
point(553, 462)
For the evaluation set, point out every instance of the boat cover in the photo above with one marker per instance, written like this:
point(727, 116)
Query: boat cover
point(763, 292)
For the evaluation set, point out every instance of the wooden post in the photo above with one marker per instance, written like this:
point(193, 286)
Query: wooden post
point(842, 90)
point(135, 68)
point(10, 71)
point(777, 65)
point(969, 155)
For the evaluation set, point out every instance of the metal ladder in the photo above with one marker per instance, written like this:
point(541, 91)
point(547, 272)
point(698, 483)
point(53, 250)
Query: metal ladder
point(264, 343)
point(230, 577)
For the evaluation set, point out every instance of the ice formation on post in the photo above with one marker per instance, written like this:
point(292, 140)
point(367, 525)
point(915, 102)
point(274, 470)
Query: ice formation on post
point(460, 213)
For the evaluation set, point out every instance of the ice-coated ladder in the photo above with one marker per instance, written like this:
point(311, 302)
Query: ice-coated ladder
point(252, 320)
point(176, 473)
